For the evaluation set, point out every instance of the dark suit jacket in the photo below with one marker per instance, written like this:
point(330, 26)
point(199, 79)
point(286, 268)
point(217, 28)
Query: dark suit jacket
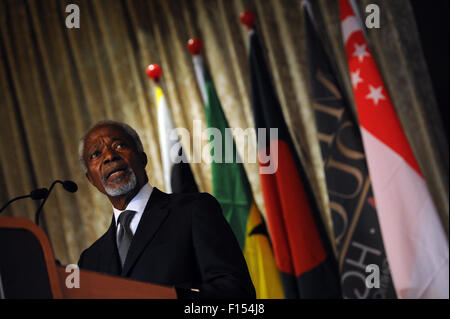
point(182, 240)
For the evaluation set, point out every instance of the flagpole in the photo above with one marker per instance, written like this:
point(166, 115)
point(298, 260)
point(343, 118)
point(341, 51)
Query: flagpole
point(195, 46)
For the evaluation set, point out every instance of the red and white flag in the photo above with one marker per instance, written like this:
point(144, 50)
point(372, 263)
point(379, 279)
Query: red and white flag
point(416, 245)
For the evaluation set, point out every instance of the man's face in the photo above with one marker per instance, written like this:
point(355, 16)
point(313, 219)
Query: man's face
point(115, 167)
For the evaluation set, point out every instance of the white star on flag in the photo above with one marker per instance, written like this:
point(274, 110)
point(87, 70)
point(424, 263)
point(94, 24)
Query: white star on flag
point(375, 94)
point(356, 79)
point(360, 52)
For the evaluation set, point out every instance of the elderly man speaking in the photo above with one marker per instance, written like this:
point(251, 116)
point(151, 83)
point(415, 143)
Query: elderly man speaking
point(180, 240)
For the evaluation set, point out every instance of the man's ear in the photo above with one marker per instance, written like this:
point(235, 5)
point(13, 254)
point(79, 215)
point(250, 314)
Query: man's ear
point(89, 178)
point(144, 159)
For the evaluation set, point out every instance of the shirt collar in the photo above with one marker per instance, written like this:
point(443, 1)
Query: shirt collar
point(138, 202)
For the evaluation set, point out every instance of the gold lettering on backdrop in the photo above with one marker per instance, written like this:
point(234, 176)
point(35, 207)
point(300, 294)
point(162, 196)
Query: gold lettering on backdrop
point(354, 221)
point(328, 84)
point(348, 169)
point(340, 210)
point(337, 113)
point(345, 150)
point(325, 138)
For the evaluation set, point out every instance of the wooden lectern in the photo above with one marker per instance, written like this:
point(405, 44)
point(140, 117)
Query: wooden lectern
point(28, 270)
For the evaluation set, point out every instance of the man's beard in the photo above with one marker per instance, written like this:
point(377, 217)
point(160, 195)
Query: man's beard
point(124, 188)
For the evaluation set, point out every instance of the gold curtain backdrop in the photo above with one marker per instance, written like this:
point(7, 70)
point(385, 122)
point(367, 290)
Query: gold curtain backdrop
point(57, 82)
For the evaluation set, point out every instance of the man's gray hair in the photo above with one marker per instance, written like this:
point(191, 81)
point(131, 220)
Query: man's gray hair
point(128, 129)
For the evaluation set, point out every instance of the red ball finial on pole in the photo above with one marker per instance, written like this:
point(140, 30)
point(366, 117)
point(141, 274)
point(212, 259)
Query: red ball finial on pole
point(247, 18)
point(194, 45)
point(154, 72)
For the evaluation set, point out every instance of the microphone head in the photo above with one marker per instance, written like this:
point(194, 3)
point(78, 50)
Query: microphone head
point(70, 186)
point(39, 193)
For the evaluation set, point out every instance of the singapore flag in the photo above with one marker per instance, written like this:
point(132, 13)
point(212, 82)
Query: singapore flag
point(415, 241)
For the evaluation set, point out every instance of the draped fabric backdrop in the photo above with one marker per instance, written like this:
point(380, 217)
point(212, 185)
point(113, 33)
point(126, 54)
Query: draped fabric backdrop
point(56, 82)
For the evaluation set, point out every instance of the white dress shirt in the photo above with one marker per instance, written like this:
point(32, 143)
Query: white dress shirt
point(137, 204)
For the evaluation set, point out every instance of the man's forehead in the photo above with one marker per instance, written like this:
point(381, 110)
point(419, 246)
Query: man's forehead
point(106, 131)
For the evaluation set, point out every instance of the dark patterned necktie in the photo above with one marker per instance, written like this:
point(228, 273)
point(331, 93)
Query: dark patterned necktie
point(125, 234)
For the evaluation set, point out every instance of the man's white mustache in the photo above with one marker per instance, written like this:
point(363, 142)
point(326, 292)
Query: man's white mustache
point(123, 188)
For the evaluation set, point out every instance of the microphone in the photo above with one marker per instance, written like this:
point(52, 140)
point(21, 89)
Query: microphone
point(36, 194)
point(69, 186)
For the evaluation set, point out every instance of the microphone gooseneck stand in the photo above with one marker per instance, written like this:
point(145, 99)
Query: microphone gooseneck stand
point(43, 193)
point(67, 185)
point(13, 200)
point(37, 194)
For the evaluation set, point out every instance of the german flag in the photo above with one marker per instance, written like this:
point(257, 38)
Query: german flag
point(302, 250)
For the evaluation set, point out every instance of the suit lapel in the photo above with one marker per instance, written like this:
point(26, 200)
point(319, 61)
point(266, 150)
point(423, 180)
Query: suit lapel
point(152, 218)
point(109, 256)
